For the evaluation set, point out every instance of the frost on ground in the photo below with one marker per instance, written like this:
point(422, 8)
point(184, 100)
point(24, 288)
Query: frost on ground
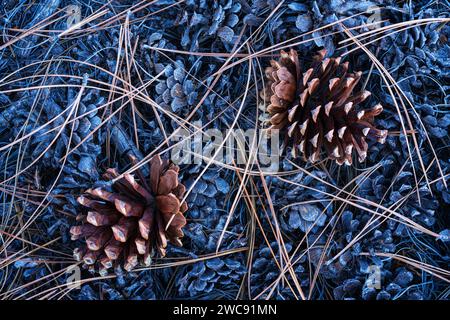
point(83, 85)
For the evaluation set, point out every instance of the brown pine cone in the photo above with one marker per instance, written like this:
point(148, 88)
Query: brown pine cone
point(315, 106)
point(128, 223)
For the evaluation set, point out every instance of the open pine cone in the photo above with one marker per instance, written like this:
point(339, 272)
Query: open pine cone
point(127, 223)
point(316, 107)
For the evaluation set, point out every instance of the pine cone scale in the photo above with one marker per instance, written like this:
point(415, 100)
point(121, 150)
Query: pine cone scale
point(168, 203)
point(113, 249)
point(129, 208)
point(168, 182)
point(146, 223)
point(100, 220)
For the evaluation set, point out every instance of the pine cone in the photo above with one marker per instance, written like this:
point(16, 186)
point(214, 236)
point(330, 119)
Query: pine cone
point(176, 92)
point(128, 223)
point(317, 107)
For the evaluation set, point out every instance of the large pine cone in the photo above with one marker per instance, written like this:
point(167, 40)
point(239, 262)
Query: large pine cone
point(316, 107)
point(132, 220)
